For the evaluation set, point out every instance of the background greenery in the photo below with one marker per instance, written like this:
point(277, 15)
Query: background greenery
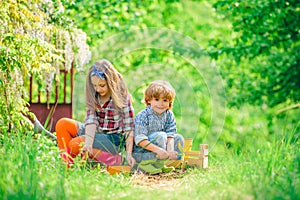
point(235, 68)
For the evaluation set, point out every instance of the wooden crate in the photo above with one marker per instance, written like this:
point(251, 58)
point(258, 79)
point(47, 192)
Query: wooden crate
point(196, 158)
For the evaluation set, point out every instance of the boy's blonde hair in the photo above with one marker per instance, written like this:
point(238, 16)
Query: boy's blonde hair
point(159, 88)
point(115, 83)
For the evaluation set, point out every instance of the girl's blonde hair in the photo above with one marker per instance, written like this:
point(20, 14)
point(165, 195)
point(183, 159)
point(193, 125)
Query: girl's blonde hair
point(159, 88)
point(115, 83)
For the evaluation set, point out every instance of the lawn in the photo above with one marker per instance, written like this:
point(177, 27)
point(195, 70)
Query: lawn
point(32, 169)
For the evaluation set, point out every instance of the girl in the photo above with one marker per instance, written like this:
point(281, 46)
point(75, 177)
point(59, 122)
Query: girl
point(108, 122)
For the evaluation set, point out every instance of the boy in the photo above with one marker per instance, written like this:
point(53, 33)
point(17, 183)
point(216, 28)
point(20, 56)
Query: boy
point(155, 126)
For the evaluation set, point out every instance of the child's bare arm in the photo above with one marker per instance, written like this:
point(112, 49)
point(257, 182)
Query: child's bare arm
point(90, 130)
point(129, 145)
point(170, 148)
point(160, 153)
point(170, 144)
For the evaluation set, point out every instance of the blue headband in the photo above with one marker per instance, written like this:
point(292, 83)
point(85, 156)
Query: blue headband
point(96, 73)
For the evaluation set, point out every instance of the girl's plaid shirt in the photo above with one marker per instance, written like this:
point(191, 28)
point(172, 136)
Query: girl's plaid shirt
point(109, 120)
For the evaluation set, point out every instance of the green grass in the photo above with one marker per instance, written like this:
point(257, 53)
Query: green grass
point(31, 169)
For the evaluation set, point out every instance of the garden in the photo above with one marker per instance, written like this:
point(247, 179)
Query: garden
point(235, 67)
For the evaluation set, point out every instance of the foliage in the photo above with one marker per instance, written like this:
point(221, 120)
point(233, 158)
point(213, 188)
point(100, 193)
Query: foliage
point(160, 44)
point(143, 54)
point(264, 50)
point(35, 39)
point(101, 19)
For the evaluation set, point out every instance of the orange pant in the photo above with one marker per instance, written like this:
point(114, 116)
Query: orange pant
point(67, 139)
point(70, 143)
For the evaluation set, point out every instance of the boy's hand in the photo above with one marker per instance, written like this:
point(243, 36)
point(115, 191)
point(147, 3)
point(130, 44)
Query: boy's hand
point(173, 155)
point(162, 154)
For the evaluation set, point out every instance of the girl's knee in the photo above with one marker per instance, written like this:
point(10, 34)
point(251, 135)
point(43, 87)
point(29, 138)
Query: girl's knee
point(61, 123)
point(64, 125)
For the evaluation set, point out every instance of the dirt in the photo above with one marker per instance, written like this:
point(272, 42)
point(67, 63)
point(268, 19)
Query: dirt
point(161, 181)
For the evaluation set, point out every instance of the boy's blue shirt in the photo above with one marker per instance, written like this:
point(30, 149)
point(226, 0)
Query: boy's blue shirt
point(148, 121)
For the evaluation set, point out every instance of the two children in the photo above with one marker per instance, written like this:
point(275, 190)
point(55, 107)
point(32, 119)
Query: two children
point(109, 121)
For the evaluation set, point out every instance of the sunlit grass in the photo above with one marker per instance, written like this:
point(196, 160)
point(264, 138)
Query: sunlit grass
point(31, 169)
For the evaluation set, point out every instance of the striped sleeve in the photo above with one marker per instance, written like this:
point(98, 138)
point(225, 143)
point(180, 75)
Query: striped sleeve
point(170, 124)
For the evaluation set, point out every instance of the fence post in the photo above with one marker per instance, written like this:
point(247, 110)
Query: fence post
point(204, 155)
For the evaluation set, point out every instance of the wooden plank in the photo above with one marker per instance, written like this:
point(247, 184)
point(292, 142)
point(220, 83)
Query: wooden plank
point(204, 155)
point(192, 153)
point(193, 161)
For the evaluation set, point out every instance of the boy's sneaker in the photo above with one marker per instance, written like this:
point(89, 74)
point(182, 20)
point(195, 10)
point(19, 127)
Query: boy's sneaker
point(166, 169)
point(174, 163)
point(149, 168)
point(161, 164)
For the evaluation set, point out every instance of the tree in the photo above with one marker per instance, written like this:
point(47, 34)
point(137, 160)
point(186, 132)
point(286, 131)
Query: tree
point(35, 38)
point(100, 19)
point(265, 50)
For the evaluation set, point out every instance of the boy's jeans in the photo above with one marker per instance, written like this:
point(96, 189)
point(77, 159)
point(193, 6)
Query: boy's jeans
point(159, 139)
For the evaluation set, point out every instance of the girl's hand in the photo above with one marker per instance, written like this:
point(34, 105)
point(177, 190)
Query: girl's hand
point(162, 154)
point(86, 151)
point(130, 159)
